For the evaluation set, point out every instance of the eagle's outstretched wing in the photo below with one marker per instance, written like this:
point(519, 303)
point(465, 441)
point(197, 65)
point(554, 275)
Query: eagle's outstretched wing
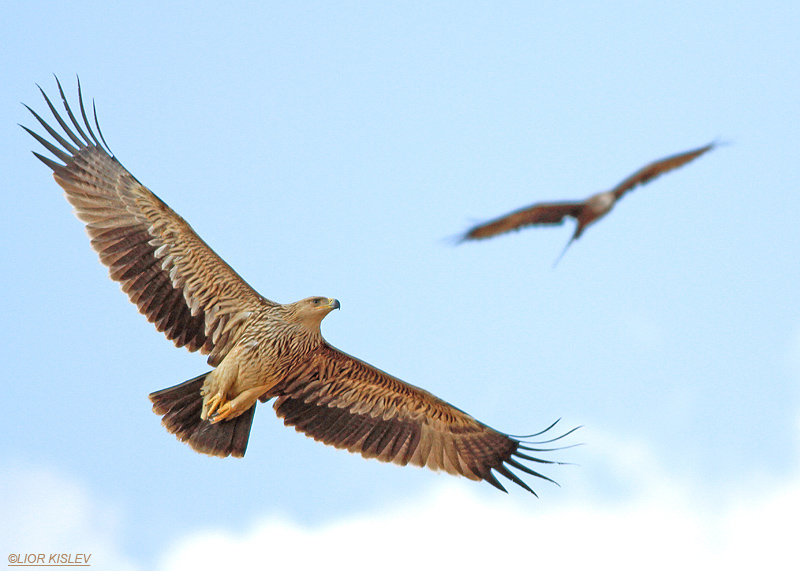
point(347, 403)
point(540, 213)
point(657, 168)
point(166, 269)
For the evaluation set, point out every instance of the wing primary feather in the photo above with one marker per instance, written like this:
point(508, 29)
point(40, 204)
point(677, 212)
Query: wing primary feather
point(534, 435)
point(63, 124)
point(99, 132)
point(524, 445)
point(49, 146)
point(86, 139)
point(52, 131)
point(56, 167)
point(518, 466)
point(83, 114)
point(504, 471)
point(533, 449)
point(533, 459)
point(490, 478)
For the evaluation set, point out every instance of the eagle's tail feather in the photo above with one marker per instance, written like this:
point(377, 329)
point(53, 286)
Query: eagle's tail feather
point(180, 407)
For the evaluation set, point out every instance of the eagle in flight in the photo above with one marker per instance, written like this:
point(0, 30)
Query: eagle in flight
point(258, 349)
point(585, 212)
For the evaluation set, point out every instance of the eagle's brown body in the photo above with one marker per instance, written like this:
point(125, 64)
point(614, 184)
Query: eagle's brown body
point(258, 349)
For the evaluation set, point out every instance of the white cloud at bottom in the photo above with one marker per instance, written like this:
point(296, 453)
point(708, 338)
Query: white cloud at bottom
point(661, 525)
point(43, 512)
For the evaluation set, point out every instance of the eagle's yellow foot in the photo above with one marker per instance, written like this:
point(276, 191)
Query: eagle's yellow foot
point(223, 411)
point(213, 405)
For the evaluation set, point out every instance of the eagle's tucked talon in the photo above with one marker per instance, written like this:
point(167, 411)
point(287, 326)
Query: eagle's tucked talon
point(223, 411)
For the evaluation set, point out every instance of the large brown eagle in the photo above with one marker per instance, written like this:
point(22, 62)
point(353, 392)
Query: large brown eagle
point(259, 349)
point(584, 212)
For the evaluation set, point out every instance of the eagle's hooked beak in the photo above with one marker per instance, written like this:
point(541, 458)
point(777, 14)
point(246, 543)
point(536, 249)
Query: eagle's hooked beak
point(333, 303)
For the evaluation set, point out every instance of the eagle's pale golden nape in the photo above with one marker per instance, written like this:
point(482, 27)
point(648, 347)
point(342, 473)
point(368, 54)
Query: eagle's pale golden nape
point(258, 349)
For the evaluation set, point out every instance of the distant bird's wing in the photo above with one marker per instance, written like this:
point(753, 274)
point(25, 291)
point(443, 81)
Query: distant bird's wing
point(344, 402)
point(174, 278)
point(538, 214)
point(656, 168)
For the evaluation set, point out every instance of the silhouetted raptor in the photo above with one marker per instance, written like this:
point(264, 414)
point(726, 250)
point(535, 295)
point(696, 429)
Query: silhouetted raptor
point(586, 211)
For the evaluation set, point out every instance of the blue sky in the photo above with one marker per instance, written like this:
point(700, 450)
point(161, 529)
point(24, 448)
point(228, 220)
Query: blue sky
point(332, 150)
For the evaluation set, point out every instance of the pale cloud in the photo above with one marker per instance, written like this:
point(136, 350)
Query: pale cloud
point(661, 525)
point(48, 513)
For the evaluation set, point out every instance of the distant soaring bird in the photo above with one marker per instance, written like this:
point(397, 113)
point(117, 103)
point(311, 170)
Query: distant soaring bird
point(586, 211)
point(258, 349)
